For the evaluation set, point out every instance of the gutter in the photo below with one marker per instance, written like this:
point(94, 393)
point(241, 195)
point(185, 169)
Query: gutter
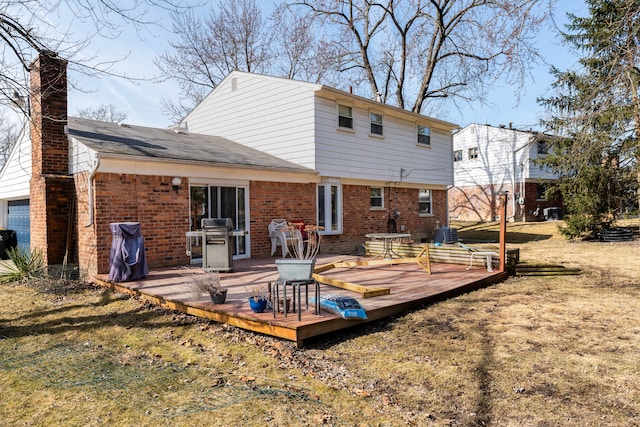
point(90, 178)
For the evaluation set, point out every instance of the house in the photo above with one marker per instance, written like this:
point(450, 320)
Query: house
point(256, 148)
point(489, 160)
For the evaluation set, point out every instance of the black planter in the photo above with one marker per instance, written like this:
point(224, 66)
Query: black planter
point(219, 298)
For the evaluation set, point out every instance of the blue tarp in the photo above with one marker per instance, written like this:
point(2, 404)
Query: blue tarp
point(127, 260)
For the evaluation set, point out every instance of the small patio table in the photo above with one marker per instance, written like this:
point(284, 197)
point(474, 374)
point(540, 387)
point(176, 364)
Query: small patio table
point(387, 243)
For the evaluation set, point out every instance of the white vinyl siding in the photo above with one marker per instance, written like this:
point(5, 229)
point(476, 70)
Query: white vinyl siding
point(355, 155)
point(81, 158)
point(16, 172)
point(269, 114)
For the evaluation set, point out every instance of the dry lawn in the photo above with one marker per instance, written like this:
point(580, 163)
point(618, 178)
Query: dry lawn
point(536, 351)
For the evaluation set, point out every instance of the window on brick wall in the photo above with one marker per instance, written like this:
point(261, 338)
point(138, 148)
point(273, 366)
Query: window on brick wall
point(377, 197)
point(424, 202)
point(330, 207)
point(541, 191)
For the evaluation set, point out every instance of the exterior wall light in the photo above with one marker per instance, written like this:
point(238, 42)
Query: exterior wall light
point(175, 184)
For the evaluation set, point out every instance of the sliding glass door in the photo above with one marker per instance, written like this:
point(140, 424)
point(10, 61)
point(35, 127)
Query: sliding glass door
point(213, 201)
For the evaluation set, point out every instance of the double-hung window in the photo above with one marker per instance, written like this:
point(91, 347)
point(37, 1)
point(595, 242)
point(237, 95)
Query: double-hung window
point(457, 156)
point(473, 153)
point(424, 135)
point(345, 116)
point(330, 207)
point(424, 202)
point(376, 123)
point(542, 147)
point(377, 200)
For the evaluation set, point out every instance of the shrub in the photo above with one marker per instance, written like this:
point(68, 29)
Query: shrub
point(27, 265)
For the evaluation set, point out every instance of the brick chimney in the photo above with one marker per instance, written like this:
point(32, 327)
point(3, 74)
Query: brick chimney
point(52, 189)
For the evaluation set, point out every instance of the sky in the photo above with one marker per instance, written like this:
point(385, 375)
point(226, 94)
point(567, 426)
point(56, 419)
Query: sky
point(142, 100)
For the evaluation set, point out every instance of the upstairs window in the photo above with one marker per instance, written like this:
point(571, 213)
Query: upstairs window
point(457, 156)
point(542, 147)
point(345, 116)
point(424, 202)
point(424, 135)
point(376, 197)
point(376, 123)
point(473, 153)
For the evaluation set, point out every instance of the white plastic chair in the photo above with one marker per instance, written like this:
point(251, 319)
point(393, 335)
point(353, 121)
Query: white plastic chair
point(279, 235)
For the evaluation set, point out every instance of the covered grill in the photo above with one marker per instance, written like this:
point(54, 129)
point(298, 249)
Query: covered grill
point(217, 244)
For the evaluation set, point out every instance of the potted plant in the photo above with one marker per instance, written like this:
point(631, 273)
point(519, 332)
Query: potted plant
point(258, 299)
point(305, 245)
point(208, 283)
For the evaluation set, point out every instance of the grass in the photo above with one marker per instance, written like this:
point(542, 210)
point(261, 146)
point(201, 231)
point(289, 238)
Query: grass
point(534, 351)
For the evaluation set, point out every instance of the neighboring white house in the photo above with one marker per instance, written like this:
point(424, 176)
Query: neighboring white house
point(489, 160)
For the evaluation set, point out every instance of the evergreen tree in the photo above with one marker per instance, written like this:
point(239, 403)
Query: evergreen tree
point(597, 112)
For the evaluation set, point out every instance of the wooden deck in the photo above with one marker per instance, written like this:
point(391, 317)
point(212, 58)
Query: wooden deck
point(409, 286)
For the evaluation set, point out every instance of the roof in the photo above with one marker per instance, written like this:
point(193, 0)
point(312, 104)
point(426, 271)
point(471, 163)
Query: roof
point(114, 140)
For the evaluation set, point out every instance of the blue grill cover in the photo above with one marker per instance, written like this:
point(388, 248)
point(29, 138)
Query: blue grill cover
point(127, 260)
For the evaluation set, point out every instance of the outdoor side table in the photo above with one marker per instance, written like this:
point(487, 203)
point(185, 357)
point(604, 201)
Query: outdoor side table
point(387, 243)
point(296, 286)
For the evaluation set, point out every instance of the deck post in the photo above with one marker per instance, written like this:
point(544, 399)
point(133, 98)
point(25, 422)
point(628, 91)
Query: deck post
point(503, 232)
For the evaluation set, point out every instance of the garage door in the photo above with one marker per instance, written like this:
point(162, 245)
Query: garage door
point(18, 220)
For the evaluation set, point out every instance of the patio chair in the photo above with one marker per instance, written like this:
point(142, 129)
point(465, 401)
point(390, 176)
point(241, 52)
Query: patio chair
point(279, 235)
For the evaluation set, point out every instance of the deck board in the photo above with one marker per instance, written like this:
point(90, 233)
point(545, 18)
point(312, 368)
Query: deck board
point(409, 286)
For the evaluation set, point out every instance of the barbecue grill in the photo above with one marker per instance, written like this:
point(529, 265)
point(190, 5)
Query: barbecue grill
point(217, 244)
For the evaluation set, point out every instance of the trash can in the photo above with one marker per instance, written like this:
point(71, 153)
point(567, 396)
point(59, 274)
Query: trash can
point(127, 260)
point(8, 240)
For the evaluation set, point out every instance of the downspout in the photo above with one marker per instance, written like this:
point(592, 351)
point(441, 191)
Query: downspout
point(92, 175)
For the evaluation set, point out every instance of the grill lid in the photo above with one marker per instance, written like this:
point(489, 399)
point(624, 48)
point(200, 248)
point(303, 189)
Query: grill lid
point(217, 223)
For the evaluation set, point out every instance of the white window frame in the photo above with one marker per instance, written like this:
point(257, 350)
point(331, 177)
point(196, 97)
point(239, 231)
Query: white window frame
point(340, 115)
point(459, 158)
point(428, 135)
point(474, 153)
point(332, 224)
point(429, 210)
point(371, 198)
point(373, 122)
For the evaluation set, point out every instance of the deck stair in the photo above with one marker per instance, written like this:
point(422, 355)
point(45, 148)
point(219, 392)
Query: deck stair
point(526, 269)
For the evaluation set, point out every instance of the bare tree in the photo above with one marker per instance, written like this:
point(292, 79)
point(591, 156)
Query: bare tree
point(103, 113)
point(31, 27)
point(299, 49)
point(234, 37)
point(9, 134)
point(410, 51)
